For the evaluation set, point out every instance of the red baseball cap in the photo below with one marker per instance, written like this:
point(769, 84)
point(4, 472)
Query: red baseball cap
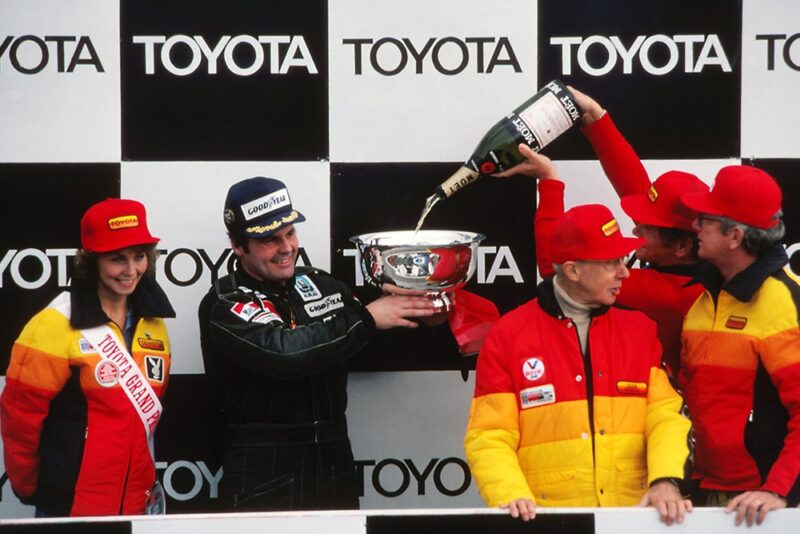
point(662, 205)
point(590, 232)
point(113, 224)
point(743, 193)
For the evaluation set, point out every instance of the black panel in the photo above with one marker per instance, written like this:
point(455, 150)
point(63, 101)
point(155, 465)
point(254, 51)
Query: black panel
point(481, 524)
point(677, 114)
point(110, 527)
point(202, 115)
point(43, 209)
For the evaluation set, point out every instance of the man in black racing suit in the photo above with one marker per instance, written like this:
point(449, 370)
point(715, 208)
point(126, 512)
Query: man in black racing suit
point(275, 341)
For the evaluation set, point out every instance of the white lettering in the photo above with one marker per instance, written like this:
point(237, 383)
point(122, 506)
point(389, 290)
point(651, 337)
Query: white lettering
point(605, 52)
point(295, 56)
point(717, 58)
point(644, 55)
point(212, 55)
point(258, 55)
point(44, 263)
point(496, 269)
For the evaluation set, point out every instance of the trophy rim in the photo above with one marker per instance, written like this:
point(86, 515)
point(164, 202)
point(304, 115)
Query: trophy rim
point(423, 238)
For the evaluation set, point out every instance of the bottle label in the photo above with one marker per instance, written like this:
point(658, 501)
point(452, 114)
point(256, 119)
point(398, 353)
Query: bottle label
point(546, 119)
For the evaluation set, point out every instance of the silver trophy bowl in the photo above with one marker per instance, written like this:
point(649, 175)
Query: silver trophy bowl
point(433, 260)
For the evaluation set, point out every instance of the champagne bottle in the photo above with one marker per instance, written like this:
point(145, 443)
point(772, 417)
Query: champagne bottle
point(537, 122)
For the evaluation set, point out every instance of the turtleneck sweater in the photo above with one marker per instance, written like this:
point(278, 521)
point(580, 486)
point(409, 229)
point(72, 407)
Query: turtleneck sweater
point(578, 313)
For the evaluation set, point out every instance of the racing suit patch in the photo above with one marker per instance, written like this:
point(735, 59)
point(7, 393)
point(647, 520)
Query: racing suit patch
point(266, 317)
point(85, 347)
point(533, 369)
point(321, 307)
point(537, 396)
point(155, 368)
point(306, 288)
point(245, 310)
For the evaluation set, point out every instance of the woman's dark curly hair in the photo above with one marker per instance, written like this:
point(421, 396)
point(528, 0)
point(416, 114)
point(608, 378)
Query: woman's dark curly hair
point(86, 263)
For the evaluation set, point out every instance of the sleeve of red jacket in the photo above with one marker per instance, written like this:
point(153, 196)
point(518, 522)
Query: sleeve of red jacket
point(492, 437)
point(551, 206)
point(620, 162)
point(36, 373)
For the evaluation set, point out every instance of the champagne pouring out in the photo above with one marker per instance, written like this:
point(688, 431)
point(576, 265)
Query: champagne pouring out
point(537, 122)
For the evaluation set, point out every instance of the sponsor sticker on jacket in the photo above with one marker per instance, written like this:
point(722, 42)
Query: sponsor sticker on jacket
point(627, 387)
point(85, 347)
point(537, 396)
point(306, 288)
point(266, 317)
point(106, 373)
point(154, 368)
point(150, 344)
point(736, 323)
point(245, 310)
point(533, 369)
point(321, 307)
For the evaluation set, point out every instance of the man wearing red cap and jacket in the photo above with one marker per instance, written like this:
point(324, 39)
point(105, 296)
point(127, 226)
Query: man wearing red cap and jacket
point(740, 360)
point(669, 250)
point(571, 405)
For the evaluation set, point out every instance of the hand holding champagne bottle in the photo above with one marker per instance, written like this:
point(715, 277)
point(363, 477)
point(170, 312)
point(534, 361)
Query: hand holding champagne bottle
point(537, 122)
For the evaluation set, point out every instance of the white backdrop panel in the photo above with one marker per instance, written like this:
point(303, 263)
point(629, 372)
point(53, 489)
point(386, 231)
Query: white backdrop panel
point(770, 78)
point(416, 416)
point(426, 116)
point(52, 116)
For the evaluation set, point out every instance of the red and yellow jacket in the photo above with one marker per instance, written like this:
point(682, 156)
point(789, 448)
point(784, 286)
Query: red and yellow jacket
point(72, 442)
point(550, 425)
point(660, 292)
point(740, 372)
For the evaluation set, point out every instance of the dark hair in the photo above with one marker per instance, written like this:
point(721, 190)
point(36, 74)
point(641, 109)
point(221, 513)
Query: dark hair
point(238, 239)
point(670, 236)
point(85, 262)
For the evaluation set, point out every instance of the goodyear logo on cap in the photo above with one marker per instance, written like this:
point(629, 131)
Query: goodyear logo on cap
point(610, 228)
point(652, 194)
point(126, 221)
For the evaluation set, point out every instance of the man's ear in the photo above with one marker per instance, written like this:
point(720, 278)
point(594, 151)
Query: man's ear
point(237, 250)
point(736, 236)
point(682, 248)
point(571, 271)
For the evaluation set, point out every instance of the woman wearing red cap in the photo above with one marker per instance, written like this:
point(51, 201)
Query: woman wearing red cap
point(82, 392)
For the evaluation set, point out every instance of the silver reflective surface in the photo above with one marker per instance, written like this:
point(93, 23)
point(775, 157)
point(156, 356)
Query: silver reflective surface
point(435, 260)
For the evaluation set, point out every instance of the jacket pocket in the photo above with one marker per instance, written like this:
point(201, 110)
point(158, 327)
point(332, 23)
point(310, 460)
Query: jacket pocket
point(630, 481)
point(552, 487)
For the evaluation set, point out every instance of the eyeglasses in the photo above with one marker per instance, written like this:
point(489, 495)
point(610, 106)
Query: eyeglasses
point(703, 217)
point(609, 265)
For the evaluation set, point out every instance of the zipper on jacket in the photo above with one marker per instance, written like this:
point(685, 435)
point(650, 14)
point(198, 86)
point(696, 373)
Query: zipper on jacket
point(587, 378)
